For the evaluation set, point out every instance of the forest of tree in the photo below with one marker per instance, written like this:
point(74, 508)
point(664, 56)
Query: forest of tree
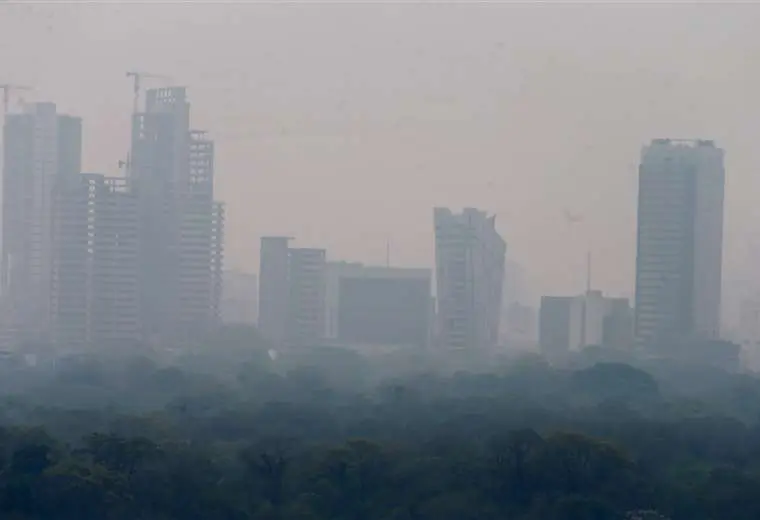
point(234, 433)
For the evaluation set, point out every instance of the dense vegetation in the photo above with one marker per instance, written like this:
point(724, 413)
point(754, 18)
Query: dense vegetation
point(234, 433)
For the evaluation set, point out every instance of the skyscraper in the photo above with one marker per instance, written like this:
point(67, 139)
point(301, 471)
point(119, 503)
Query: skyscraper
point(181, 226)
point(679, 241)
point(470, 256)
point(41, 147)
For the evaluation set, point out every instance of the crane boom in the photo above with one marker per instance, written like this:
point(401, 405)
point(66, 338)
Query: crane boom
point(7, 88)
point(137, 78)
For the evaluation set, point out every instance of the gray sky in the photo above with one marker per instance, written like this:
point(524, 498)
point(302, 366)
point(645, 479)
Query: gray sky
point(345, 124)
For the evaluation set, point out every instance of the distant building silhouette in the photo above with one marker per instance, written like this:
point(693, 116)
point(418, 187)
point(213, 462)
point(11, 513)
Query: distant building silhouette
point(378, 305)
point(470, 256)
point(679, 241)
point(181, 226)
point(292, 284)
point(40, 147)
point(571, 323)
point(95, 296)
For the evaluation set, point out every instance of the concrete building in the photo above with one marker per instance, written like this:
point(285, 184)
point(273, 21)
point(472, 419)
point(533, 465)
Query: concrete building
point(679, 241)
point(560, 325)
point(292, 285)
point(378, 305)
point(94, 298)
point(181, 226)
point(240, 302)
point(571, 323)
point(40, 147)
point(273, 288)
point(306, 296)
point(470, 256)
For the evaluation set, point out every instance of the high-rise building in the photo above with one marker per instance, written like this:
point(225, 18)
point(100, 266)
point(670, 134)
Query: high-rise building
point(273, 288)
point(378, 305)
point(181, 227)
point(679, 242)
point(571, 323)
point(292, 285)
point(40, 147)
point(94, 299)
point(470, 256)
point(306, 296)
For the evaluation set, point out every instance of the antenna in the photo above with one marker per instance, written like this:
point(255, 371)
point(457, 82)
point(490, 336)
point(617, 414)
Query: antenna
point(588, 271)
point(388, 252)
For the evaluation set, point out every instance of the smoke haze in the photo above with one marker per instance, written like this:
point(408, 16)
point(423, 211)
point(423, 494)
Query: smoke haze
point(344, 124)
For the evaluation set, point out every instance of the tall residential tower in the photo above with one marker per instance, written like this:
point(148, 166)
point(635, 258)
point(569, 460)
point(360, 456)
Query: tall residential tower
point(469, 258)
point(679, 242)
point(181, 226)
point(42, 148)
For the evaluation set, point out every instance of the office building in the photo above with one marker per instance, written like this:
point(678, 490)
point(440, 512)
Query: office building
point(306, 296)
point(560, 325)
point(94, 298)
point(292, 285)
point(273, 288)
point(40, 147)
point(679, 241)
point(378, 305)
point(470, 256)
point(181, 226)
point(571, 323)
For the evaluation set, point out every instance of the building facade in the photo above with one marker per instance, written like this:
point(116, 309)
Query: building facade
point(292, 293)
point(273, 288)
point(571, 323)
point(378, 305)
point(40, 147)
point(470, 256)
point(307, 279)
point(181, 226)
point(94, 298)
point(679, 241)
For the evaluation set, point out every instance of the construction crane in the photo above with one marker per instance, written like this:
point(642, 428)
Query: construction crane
point(138, 77)
point(7, 88)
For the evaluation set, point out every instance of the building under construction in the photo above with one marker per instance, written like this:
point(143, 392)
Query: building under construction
point(92, 261)
point(95, 249)
point(181, 226)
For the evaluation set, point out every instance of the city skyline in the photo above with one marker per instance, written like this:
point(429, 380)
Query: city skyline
point(540, 112)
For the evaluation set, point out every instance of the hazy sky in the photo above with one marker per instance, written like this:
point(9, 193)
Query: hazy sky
point(344, 123)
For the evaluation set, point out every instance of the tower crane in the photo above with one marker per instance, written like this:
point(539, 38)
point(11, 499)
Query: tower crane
point(138, 77)
point(7, 88)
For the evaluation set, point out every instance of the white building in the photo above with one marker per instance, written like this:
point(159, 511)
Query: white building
point(470, 256)
point(680, 239)
point(40, 147)
point(378, 305)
